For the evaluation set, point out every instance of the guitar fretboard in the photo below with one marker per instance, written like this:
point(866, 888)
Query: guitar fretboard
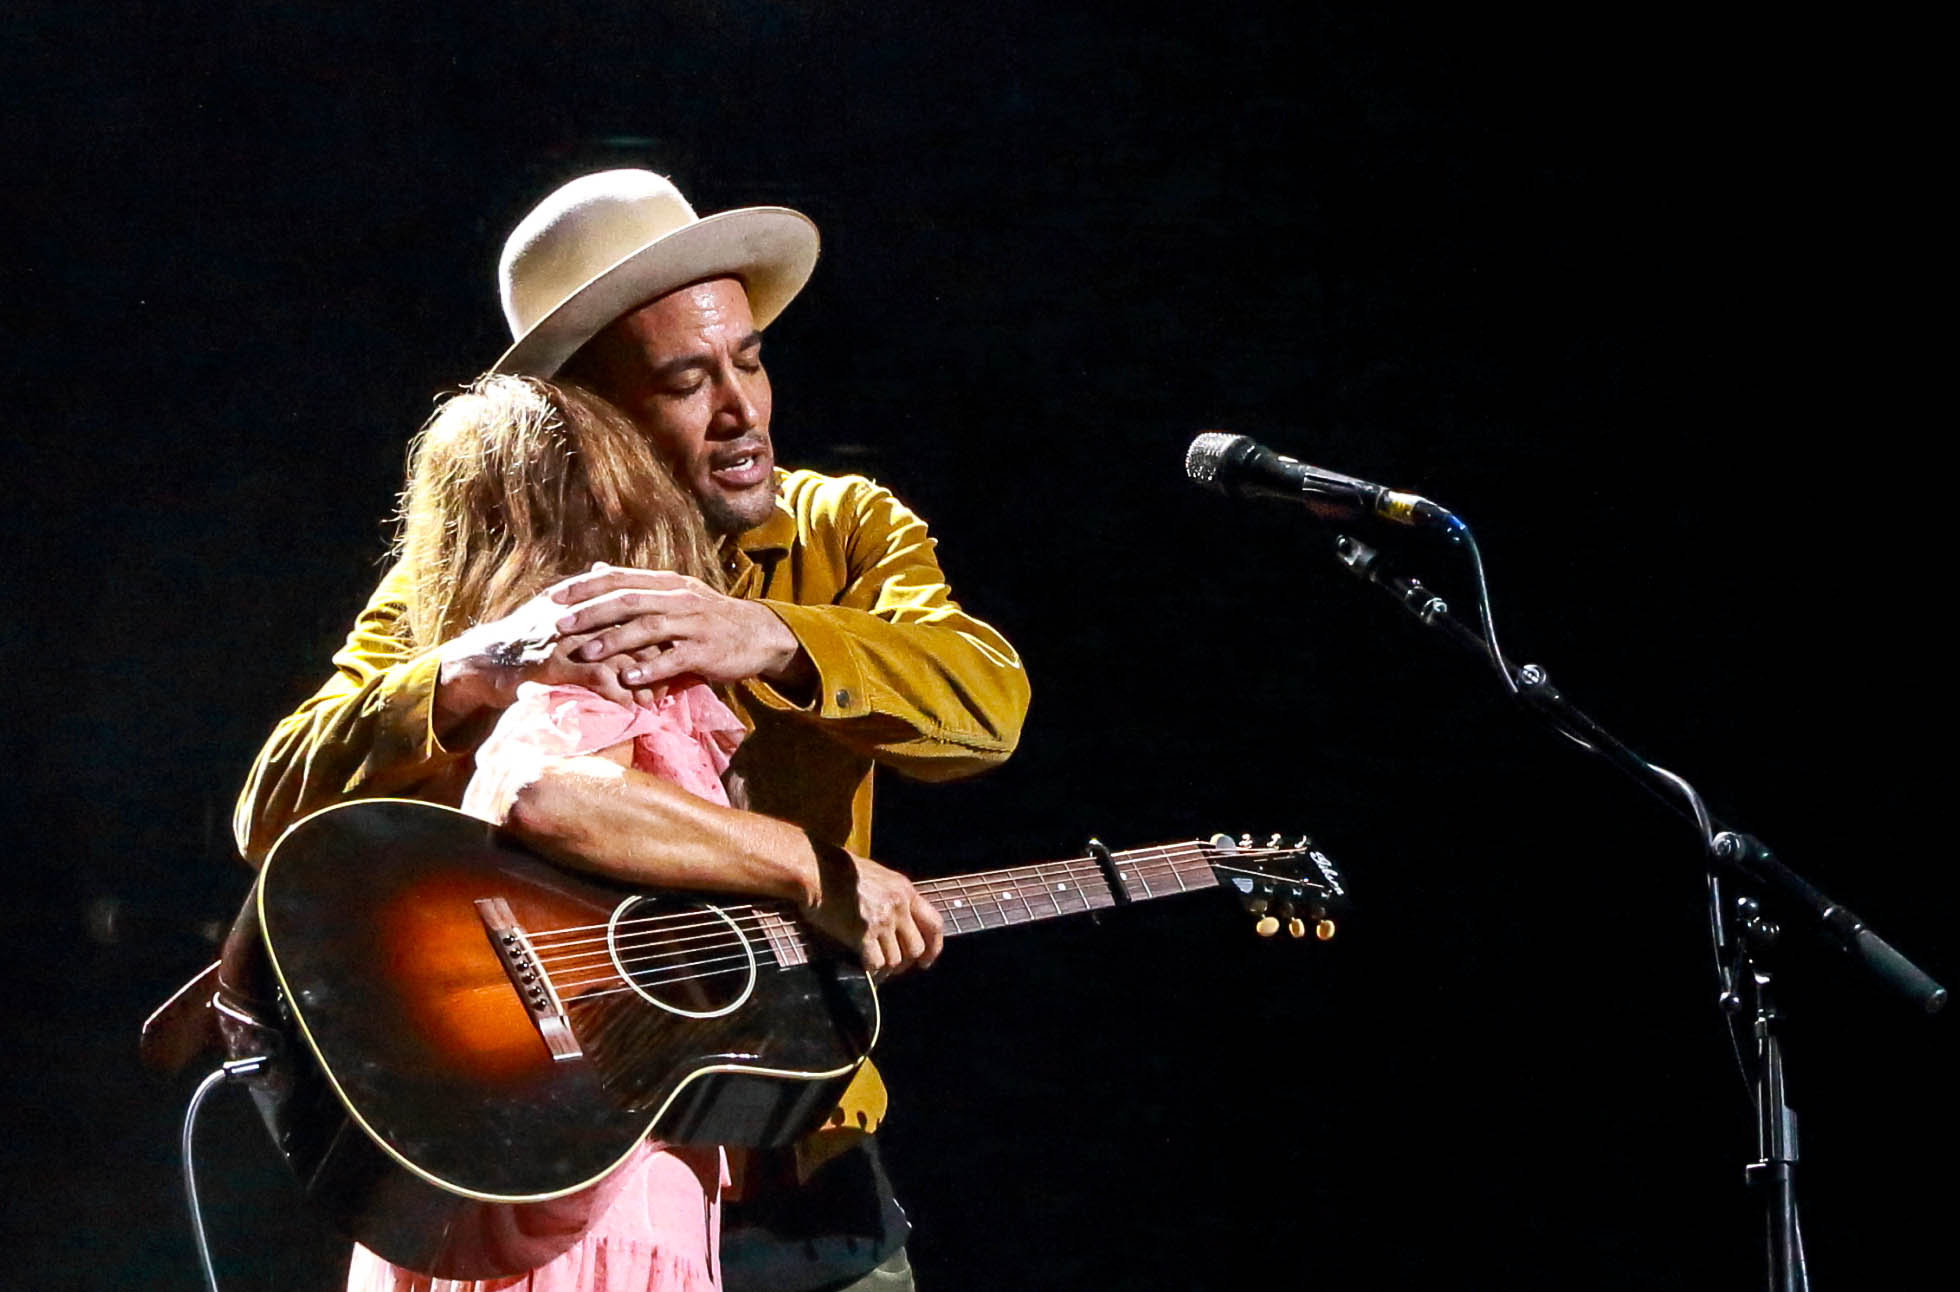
point(993, 899)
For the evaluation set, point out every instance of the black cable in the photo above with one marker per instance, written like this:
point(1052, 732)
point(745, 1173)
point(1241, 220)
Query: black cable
point(234, 1068)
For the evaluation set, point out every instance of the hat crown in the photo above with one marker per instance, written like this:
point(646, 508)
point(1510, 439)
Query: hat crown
point(604, 245)
point(578, 233)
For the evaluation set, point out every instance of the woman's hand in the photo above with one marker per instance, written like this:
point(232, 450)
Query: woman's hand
point(481, 669)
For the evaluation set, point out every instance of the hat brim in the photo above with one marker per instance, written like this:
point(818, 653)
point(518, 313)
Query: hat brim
point(772, 249)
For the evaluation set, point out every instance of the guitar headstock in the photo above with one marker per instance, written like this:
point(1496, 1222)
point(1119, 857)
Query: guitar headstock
point(1291, 885)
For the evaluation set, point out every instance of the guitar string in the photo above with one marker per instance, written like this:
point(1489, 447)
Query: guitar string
point(1027, 889)
point(764, 955)
point(652, 949)
point(1182, 850)
point(667, 975)
point(961, 884)
point(1084, 864)
point(654, 977)
point(664, 975)
point(749, 925)
point(1188, 855)
point(1042, 884)
point(575, 990)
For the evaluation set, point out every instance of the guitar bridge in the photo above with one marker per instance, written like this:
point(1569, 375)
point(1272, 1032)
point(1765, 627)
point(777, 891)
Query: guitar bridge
point(520, 961)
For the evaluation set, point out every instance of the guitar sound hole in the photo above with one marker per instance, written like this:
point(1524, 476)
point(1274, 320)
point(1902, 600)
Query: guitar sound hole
point(688, 958)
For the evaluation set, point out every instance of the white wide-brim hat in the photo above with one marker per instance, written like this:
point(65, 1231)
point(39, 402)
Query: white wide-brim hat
point(606, 244)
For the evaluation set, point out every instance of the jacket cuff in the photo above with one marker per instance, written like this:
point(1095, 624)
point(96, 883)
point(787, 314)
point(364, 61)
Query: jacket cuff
point(840, 686)
point(408, 706)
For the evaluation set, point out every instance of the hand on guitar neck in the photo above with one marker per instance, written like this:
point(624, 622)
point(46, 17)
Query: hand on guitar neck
point(876, 911)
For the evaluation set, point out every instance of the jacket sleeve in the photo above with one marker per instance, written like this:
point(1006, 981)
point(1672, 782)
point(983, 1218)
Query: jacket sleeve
point(368, 732)
point(905, 676)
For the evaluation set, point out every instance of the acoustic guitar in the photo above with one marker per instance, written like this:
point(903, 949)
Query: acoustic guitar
point(466, 1040)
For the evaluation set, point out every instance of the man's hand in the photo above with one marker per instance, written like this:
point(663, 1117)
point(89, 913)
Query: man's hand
point(671, 624)
point(620, 632)
point(876, 911)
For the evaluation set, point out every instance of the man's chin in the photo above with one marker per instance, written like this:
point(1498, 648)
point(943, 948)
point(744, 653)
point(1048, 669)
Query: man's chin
point(727, 512)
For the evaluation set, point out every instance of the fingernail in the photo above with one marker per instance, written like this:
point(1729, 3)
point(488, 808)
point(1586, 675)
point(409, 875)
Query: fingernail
point(631, 676)
point(565, 624)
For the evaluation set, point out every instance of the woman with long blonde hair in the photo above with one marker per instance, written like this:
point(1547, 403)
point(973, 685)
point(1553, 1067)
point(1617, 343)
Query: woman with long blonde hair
point(514, 485)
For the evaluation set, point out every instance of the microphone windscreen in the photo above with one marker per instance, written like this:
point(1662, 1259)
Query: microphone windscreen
point(1206, 454)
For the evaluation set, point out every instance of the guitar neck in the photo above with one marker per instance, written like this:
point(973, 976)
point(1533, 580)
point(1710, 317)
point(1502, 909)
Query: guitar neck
point(993, 899)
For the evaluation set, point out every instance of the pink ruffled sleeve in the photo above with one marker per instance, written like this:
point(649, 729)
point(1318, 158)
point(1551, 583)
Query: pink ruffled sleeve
point(687, 737)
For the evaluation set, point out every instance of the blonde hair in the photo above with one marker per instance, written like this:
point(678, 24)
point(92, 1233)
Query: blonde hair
point(516, 483)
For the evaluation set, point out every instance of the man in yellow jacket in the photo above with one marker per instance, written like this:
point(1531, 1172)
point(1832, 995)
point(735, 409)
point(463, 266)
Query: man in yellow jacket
point(838, 640)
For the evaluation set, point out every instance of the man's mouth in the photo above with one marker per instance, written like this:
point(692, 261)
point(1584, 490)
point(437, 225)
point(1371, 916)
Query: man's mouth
point(740, 466)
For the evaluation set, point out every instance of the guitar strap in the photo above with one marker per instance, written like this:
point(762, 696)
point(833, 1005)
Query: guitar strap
point(183, 1027)
point(227, 1002)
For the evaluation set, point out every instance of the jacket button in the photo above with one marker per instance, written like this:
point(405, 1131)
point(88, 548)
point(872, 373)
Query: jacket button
point(843, 696)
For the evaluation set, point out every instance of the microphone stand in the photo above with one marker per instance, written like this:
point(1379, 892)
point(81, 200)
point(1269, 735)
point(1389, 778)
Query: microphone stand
point(1743, 934)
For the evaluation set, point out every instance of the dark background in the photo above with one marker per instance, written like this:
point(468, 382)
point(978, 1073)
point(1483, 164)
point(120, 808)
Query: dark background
point(1642, 294)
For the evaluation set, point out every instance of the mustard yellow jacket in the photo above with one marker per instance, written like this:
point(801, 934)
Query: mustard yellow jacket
point(906, 678)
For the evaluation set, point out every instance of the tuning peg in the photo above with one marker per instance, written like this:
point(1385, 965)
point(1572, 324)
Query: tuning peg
point(1266, 927)
point(1274, 841)
point(1324, 930)
point(1245, 840)
point(1297, 927)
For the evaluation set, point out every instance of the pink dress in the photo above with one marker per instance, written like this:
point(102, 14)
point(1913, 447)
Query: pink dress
point(662, 1231)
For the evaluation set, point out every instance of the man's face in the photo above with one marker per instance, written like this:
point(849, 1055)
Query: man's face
point(687, 368)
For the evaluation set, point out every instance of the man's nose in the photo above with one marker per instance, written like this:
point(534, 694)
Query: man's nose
point(738, 404)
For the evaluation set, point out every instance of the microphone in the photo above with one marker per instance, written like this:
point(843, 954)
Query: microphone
point(1241, 467)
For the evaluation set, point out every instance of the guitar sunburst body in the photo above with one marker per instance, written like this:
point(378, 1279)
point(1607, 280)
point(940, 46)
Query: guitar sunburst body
point(427, 1110)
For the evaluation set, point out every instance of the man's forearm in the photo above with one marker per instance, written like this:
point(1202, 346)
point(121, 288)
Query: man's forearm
point(933, 700)
point(367, 732)
point(901, 673)
point(591, 814)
